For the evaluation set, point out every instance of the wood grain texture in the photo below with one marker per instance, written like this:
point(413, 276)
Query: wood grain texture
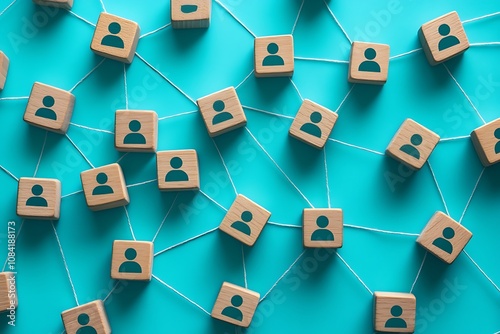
point(486, 141)
point(143, 257)
point(286, 52)
point(190, 20)
point(358, 57)
point(383, 302)
point(165, 164)
point(66, 4)
point(4, 69)
point(8, 292)
point(335, 219)
point(148, 129)
point(96, 314)
point(51, 193)
point(247, 307)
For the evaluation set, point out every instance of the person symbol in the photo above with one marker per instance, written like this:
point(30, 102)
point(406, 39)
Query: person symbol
point(45, 112)
point(135, 137)
point(176, 174)
point(111, 40)
point(312, 128)
point(36, 200)
point(222, 115)
point(130, 266)
point(273, 59)
point(447, 41)
point(103, 188)
point(411, 150)
point(497, 145)
point(396, 322)
point(242, 226)
point(369, 65)
point(232, 311)
point(83, 320)
point(322, 234)
point(187, 9)
point(444, 243)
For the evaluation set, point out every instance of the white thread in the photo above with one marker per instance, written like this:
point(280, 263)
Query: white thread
point(6, 8)
point(268, 112)
point(298, 15)
point(465, 94)
point(78, 149)
point(129, 223)
point(438, 187)
point(418, 272)
point(326, 178)
point(381, 231)
point(480, 17)
point(244, 266)
point(214, 201)
point(471, 195)
point(279, 168)
point(121, 158)
point(103, 7)
point(177, 115)
point(244, 80)
point(92, 129)
point(81, 18)
point(41, 154)
point(345, 98)
point(337, 21)
point(454, 138)
point(17, 235)
point(87, 75)
point(165, 218)
point(354, 273)
point(323, 60)
point(237, 19)
point(14, 98)
point(156, 30)
point(405, 54)
point(355, 146)
point(485, 44)
point(72, 194)
point(141, 183)
point(284, 225)
point(8, 172)
point(296, 89)
point(111, 291)
point(482, 271)
point(225, 167)
point(125, 84)
point(186, 241)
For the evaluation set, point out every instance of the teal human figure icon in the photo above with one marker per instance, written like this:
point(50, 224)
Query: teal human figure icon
point(322, 234)
point(273, 59)
point(497, 145)
point(130, 266)
point(187, 9)
point(369, 65)
point(233, 311)
point(444, 243)
point(103, 188)
point(37, 200)
point(176, 174)
point(448, 40)
point(396, 322)
point(312, 128)
point(243, 226)
point(134, 137)
point(416, 140)
point(112, 40)
point(46, 111)
point(222, 115)
point(83, 320)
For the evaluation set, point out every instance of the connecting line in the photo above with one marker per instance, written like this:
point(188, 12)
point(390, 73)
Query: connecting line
point(6, 8)
point(471, 195)
point(103, 7)
point(244, 266)
point(156, 30)
point(9, 173)
point(356, 146)
point(323, 60)
point(481, 17)
point(111, 291)
point(78, 149)
point(41, 154)
point(177, 115)
point(92, 129)
point(345, 98)
point(298, 15)
point(225, 167)
point(405, 54)
point(481, 270)
point(354, 273)
point(72, 194)
point(87, 75)
point(284, 225)
point(125, 84)
point(438, 187)
point(122, 157)
point(485, 44)
point(454, 138)
point(165, 218)
point(81, 18)
point(141, 183)
point(14, 98)
point(129, 223)
point(213, 201)
point(186, 241)
point(326, 179)
point(381, 231)
point(237, 19)
point(337, 21)
point(418, 272)
point(297, 89)
point(244, 80)
point(268, 112)
point(17, 236)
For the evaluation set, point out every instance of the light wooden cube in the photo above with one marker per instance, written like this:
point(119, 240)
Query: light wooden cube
point(444, 237)
point(222, 111)
point(86, 317)
point(4, 69)
point(486, 140)
point(245, 220)
point(369, 63)
point(323, 228)
point(235, 305)
point(49, 108)
point(115, 38)
point(8, 292)
point(136, 130)
point(178, 170)
point(443, 38)
point(394, 312)
point(313, 124)
point(188, 14)
point(39, 198)
point(66, 4)
point(412, 144)
point(132, 260)
point(273, 56)
point(105, 187)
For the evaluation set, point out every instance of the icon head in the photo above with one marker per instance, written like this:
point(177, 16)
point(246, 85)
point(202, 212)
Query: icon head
point(134, 125)
point(130, 254)
point(237, 300)
point(101, 178)
point(396, 311)
point(322, 221)
point(83, 319)
point(316, 117)
point(246, 216)
point(114, 28)
point(219, 105)
point(448, 233)
point(444, 29)
point(48, 101)
point(273, 48)
point(497, 133)
point(416, 139)
point(37, 190)
point(176, 162)
point(370, 53)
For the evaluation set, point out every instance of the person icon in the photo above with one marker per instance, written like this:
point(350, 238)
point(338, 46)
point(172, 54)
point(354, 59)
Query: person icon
point(187, 9)
point(37, 200)
point(112, 40)
point(369, 65)
point(497, 145)
point(176, 175)
point(46, 111)
point(130, 266)
point(322, 234)
point(411, 150)
point(232, 311)
point(242, 226)
point(312, 128)
point(444, 243)
point(134, 137)
point(83, 320)
point(273, 59)
point(447, 41)
point(222, 115)
point(103, 188)
point(396, 321)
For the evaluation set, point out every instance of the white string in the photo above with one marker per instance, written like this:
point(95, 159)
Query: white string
point(381, 231)
point(41, 154)
point(125, 84)
point(471, 195)
point(81, 18)
point(354, 273)
point(244, 80)
point(326, 178)
point(225, 167)
point(298, 15)
point(121, 158)
point(15, 239)
point(480, 17)
point(186, 241)
point(92, 129)
point(165, 218)
point(438, 187)
point(482, 271)
point(14, 98)
point(337, 21)
point(284, 225)
point(141, 183)
point(177, 115)
point(405, 54)
point(345, 98)
point(6, 8)
point(156, 30)
point(244, 266)
point(323, 60)
point(279, 168)
point(268, 112)
point(454, 138)
point(297, 89)
point(418, 272)
point(72, 194)
point(213, 201)
point(103, 7)
point(485, 44)
point(78, 149)
point(8, 172)
point(237, 19)
point(111, 291)
point(87, 75)
point(356, 146)
point(129, 223)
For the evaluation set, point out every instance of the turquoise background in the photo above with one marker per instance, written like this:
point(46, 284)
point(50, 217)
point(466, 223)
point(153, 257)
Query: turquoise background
point(319, 294)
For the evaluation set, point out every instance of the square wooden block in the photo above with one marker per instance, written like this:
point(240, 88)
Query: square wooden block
point(222, 111)
point(4, 69)
point(444, 237)
point(273, 56)
point(66, 4)
point(136, 130)
point(8, 292)
point(323, 228)
point(394, 312)
point(88, 315)
point(115, 38)
point(188, 14)
point(412, 144)
point(369, 63)
point(39, 198)
point(178, 170)
point(49, 108)
point(132, 260)
point(245, 220)
point(235, 305)
point(443, 38)
point(105, 187)
point(486, 140)
point(313, 124)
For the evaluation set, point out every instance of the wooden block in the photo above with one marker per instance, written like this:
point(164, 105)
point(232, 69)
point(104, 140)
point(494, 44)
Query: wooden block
point(245, 220)
point(8, 292)
point(235, 305)
point(4, 69)
point(115, 38)
point(369, 63)
point(136, 130)
point(273, 56)
point(105, 187)
point(66, 4)
point(87, 318)
point(178, 170)
point(323, 228)
point(188, 14)
point(313, 124)
point(486, 140)
point(39, 198)
point(412, 144)
point(443, 38)
point(394, 312)
point(132, 260)
point(222, 111)
point(49, 108)
point(444, 237)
